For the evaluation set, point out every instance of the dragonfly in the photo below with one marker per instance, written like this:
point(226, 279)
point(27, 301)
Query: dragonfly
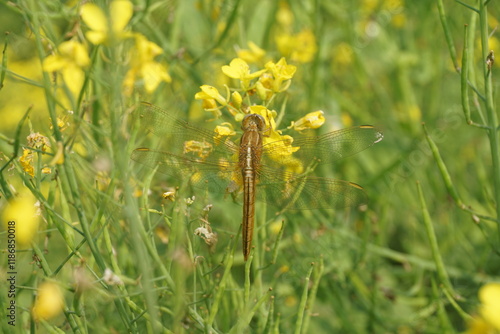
point(254, 167)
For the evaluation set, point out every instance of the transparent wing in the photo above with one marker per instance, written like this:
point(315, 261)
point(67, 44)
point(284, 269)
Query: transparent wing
point(329, 147)
point(295, 192)
point(279, 189)
point(207, 174)
point(177, 132)
point(213, 164)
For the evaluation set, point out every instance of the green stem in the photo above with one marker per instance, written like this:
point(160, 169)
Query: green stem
point(447, 34)
point(431, 235)
point(490, 108)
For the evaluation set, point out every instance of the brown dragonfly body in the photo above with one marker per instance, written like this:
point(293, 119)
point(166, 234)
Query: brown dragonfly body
point(250, 160)
point(258, 168)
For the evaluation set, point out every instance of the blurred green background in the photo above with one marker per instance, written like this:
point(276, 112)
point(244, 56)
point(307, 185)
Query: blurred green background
point(380, 62)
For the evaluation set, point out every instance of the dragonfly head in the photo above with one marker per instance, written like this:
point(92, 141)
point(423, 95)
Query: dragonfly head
point(253, 122)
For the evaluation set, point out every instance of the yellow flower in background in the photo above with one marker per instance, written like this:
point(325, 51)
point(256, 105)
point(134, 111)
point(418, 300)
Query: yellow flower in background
point(284, 15)
point(312, 120)
point(275, 227)
point(70, 60)
point(300, 47)
point(24, 212)
point(369, 6)
point(145, 67)
point(489, 296)
point(239, 69)
point(252, 55)
point(49, 301)
point(343, 54)
point(104, 29)
point(281, 72)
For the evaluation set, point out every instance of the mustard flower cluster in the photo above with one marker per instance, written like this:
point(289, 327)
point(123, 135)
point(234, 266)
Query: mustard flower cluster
point(255, 91)
point(71, 58)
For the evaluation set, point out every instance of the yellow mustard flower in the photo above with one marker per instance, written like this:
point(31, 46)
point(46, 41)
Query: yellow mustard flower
point(264, 86)
point(210, 93)
point(49, 301)
point(70, 60)
point(145, 67)
point(26, 161)
point(489, 296)
point(223, 130)
point(251, 55)
point(239, 69)
point(312, 120)
point(103, 29)
point(23, 211)
point(272, 136)
point(281, 72)
point(300, 47)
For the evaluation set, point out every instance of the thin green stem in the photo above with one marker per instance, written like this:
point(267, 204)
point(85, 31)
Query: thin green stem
point(447, 33)
point(490, 108)
point(431, 235)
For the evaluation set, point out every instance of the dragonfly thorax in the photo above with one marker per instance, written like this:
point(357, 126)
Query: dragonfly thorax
point(253, 122)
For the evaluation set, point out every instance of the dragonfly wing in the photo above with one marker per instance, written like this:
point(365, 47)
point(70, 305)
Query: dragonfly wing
point(178, 132)
point(329, 147)
point(206, 174)
point(295, 192)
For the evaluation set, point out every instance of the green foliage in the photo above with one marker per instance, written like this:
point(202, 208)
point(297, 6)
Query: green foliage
point(128, 259)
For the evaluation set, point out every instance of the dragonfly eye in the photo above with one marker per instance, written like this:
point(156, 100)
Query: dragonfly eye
point(253, 121)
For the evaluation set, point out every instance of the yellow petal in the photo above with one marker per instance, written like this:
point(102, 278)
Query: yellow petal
point(153, 74)
point(49, 301)
point(121, 12)
point(253, 55)
point(26, 161)
point(213, 93)
point(53, 63)
point(146, 49)
point(209, 104)
point(73, 77)
point(96, 37)
point(75, 51)
point(94, 17)
point(312, 120)
point(23, 212)
point(223, 131)
point(236, 69)
point(489, 295)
